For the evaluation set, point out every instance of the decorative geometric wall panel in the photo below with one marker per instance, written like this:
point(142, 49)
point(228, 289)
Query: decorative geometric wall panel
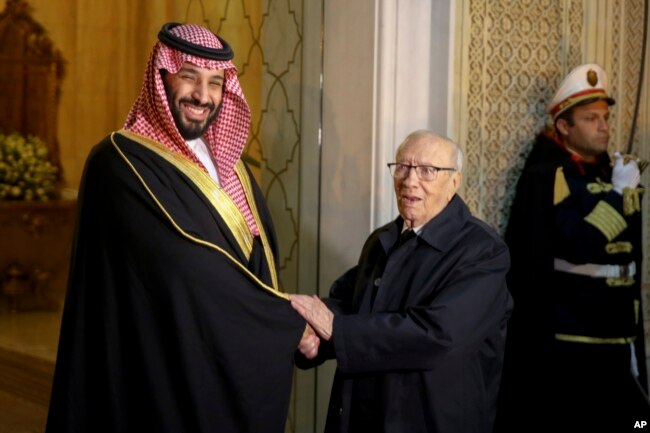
point(278, 129)
point(266, 37)
point(516, 59)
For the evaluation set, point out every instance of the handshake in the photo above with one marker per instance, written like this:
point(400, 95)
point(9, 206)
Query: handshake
point(626, 173)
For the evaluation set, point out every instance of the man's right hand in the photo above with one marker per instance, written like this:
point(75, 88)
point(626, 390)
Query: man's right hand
point(315, 312)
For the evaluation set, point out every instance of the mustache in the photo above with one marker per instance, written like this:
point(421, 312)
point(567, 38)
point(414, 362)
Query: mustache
point(196, 103)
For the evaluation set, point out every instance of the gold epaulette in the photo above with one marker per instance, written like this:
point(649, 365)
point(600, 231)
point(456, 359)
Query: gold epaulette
point(632, 200)
point(561, 188)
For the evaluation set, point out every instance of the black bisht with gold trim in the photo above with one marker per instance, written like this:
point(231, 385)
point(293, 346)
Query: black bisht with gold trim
point(169, 325)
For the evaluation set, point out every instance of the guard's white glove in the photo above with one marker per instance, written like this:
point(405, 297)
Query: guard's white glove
point(625, 175)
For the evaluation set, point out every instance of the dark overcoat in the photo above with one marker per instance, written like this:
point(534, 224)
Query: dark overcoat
point(422, 328)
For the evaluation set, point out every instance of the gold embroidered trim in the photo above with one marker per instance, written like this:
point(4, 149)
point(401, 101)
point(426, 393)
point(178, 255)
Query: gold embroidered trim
point(561, 188)
point(637, 305)
point(620, 282)
point(606, 219)
point(618, 247)
point(631, 200)
point(240, 169)
point(599, 187)
point(219, 199)
point(245, 270)
point(593, 340)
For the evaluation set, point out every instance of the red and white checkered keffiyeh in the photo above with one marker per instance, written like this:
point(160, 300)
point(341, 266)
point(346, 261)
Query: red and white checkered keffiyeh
point(226, 137)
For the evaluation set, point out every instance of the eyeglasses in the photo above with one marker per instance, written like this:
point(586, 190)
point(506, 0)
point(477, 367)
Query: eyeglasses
point(424, 172)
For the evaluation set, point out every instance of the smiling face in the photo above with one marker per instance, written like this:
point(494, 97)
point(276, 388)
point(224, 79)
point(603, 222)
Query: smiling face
point(419, 201)
point(194, 95)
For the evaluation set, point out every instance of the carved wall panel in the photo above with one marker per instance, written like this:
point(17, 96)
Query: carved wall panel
point(277, 133)
point(517, 53)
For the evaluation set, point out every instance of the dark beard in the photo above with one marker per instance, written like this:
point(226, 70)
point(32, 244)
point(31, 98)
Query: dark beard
point(192, 130)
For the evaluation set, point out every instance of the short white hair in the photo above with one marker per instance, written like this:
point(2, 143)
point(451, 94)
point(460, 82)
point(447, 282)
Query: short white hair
point(437, 138)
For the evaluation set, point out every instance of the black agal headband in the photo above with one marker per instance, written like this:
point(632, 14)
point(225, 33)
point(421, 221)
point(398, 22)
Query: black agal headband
point(168, 38)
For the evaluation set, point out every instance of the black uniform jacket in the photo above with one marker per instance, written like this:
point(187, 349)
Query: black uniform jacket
point(167, 326)
point(566, 209)
point(426, 323)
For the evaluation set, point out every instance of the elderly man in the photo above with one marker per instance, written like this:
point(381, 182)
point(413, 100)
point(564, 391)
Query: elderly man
point(173, 320)
point(418, 327)
point(575, 354)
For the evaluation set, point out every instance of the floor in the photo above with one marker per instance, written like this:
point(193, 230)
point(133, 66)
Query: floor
point(28, 342)
point(18, 415)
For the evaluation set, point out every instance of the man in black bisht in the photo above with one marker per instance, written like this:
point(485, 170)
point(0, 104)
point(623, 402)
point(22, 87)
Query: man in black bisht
point(173, 320)
point(575, 357)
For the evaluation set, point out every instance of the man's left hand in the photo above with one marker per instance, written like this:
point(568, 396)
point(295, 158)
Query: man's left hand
point(309, 343)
